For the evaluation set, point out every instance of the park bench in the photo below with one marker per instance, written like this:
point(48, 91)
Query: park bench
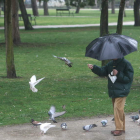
point(64, 11)
point(31, 18)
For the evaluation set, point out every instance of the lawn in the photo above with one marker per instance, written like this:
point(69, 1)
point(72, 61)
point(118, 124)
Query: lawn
point(84, 17)
point(83, 93)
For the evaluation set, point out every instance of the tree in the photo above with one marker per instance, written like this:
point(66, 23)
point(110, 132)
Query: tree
point(34, 8)
point(104, 22)
point(113, 6)
point(79, 3)
point(120, 17)
point(11, 72)
point(27, 23)
point(16, 34)
point(136, 13)
point(45, 6)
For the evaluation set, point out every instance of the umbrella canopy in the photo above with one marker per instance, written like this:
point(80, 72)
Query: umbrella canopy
point(111, 46)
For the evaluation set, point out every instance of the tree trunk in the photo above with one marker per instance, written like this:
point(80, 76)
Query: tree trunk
point(16, 34)
point(34, 8)
point(27, 23)
point(120, 17)
point(104, 18)
point(113, 6)
point(45, 5)
point(11, 72)
point(136, 13)
point(104, 23)
point(78, 7)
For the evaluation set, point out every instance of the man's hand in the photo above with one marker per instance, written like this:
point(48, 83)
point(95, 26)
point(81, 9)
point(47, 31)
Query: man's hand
point(90, 66)
point(115, 72)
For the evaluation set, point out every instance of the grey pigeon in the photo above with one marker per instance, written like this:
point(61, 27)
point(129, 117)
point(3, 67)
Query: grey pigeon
point(67, 62)
point(52, 114)
point(104, 122)
point(136, 117)
point(139, 111)
point(113, 119)
point(35, 123)
point(88, 127)
point(64, 126)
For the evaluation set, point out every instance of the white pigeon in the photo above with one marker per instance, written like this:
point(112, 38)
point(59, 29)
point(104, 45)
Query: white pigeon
point(104, 122)
point(67, 62)
point(34, 82)
point(64, 126)
point(88, 127)
point(45, 126)
point(52, 114)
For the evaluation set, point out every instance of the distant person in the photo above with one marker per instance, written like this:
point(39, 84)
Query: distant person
point(120, 77)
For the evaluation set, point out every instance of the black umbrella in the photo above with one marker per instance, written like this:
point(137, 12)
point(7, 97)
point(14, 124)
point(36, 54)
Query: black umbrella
point(111, 46)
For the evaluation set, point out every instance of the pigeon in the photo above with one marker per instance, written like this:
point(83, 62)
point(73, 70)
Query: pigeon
point(33, 82)
point(35, 123)
point(45, 126)
point(67, 62)
point(64, 107)
point(136, 117)
point(104, 122)
point(139, 111)
point(64, 126)
point(138, 121)
point(88, 127)
point(113, 119)
point(52, 114)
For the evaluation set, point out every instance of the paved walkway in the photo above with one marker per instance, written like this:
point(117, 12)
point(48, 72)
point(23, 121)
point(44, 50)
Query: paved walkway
point(72, 26)
point(74, 132)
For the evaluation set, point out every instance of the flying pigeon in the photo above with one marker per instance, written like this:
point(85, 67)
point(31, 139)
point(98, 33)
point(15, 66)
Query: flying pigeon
point(64, 126)
point(67, 62)
point(33, 82)
point(104, 122)
point(88, 127)
point(52, 114)
point(45, 126)
point(138, 121)
point(35, 123)
point(136, 117)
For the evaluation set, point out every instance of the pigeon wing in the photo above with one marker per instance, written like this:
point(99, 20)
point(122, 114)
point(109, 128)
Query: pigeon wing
point(33, 79)
point(57, 114)
point(38, 81)
point(52, 109)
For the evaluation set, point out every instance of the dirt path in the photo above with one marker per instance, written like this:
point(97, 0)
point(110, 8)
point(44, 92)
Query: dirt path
point(74, 132)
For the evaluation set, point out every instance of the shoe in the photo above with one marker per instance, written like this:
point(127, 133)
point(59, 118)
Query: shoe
point(112, 132)
point(117, 132)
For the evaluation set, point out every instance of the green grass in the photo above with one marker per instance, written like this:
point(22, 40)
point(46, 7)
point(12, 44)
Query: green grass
point(84, 17)
point(83, 93)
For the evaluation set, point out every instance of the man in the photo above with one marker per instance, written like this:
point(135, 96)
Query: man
point(120, 77)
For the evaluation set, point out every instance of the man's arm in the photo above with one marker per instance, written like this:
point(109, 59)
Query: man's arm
point(101, 71)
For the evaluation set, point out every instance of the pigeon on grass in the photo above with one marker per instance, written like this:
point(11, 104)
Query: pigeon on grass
point(134, 118)
point(34, 82)
point(67, 62)
point(52, 114)
point(35, 123)
point(44, 127)
point(88, 127)
point(63, 126)
point(104, 122)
